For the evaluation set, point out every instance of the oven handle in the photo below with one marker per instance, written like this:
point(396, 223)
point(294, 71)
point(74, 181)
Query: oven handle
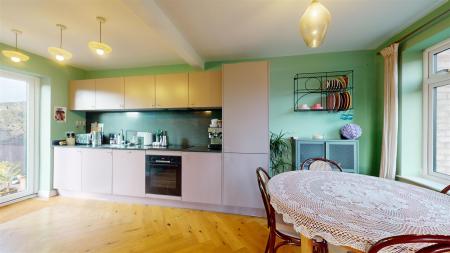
point(161, 161)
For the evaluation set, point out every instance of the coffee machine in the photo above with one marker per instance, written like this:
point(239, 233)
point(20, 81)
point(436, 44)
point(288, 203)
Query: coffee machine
point(215, 134)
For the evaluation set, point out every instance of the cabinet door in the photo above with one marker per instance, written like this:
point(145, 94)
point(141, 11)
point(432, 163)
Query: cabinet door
point(109, 93)
point(345, 153)
point(202, 178)
point(308, 149)
point(96, 171)
point(82, 95)
point(67, 169)
point(240, 188)
point(246, 107)
point(129, 173)
point(205, 89)
point(172, 91)
point(139, 92)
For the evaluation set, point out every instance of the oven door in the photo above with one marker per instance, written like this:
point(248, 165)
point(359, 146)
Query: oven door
point(163, 175)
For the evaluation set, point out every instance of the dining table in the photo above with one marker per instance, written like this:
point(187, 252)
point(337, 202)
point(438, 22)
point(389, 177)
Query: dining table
point(355, 211)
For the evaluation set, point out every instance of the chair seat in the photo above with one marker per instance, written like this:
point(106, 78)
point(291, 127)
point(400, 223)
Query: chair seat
point(285, 228)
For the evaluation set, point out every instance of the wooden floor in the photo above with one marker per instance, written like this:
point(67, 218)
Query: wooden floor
point(75, 225)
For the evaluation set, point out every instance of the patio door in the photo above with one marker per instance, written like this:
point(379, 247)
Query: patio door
point(19, 107)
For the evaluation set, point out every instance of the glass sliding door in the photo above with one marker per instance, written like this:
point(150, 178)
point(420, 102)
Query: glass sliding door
point(18, 133)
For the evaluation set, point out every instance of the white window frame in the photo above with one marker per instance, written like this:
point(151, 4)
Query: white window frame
point(431, 80)
point(33, 106)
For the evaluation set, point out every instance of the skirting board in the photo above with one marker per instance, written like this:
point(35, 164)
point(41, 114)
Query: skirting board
point(166, 202)
point(47, 194)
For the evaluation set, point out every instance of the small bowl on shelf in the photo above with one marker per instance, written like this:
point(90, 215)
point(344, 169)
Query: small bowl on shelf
point(316, 107)
point(303, 107)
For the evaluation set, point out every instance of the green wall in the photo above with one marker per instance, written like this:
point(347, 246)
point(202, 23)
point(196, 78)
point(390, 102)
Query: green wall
point(54, 92)
point(305, 124)
point(410, 145)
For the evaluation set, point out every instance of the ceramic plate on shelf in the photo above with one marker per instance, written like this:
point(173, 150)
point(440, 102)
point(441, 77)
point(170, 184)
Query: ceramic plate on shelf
point(350, 100)
point(337, 101)
point(330, 101)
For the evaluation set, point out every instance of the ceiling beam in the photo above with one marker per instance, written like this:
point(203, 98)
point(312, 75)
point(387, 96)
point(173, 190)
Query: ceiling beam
point(154, 16)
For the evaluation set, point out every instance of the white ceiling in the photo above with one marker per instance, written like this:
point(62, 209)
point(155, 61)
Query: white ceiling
point(208, 29)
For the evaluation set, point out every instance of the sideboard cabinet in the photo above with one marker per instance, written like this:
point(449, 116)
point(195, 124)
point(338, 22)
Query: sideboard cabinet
point(344, 152)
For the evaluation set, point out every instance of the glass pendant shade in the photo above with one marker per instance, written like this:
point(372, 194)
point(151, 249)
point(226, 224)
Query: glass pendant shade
point(99, 47)
point(58, 52)
point(15, 55)
point(314, 23)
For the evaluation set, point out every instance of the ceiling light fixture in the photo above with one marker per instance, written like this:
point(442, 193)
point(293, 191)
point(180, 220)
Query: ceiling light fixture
point(15, 55)
point(99, 47)
point(314, 23)
point(58, 52)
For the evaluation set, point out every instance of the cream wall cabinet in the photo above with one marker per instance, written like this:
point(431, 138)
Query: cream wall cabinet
point(67, 169)
point(205, 89)
point(82, 95)
point(109, 93)
point(129, 173)
point(202, 177)
point(140, 92)
point(96, 171)
point(172, 91)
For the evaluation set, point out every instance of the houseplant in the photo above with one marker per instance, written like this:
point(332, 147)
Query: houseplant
point(279, 153)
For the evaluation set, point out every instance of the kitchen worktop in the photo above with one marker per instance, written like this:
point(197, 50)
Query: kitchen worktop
point(140, 147)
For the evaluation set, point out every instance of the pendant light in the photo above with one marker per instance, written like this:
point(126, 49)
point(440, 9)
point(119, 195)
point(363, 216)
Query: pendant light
point(15, 55)
point(99, 47)
point(314, 23)
point(58, 52)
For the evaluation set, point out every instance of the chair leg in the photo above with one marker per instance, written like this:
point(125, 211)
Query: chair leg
point(320, 246)
point(271, 242)
point(268, 243)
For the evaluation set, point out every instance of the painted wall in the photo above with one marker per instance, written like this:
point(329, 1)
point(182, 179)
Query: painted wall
point(54, 92)
point(282, 116)
point(410, 145)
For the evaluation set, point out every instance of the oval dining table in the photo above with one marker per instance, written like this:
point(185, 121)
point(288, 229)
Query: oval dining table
point(355, 211)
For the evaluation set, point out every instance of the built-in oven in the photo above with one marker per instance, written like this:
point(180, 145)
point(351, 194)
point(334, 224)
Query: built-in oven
point(163, 175)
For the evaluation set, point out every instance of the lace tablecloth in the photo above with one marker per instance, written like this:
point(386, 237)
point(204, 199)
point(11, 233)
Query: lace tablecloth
point(356, 210)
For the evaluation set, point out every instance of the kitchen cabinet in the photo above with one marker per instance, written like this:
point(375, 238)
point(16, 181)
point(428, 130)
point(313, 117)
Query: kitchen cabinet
point(109, 93)
point(172, 90)
point(82, 94)
point(240, 188)
point(140, 92)
point(129, 173)
point(205, 89)
point(96, 171)
point(202, 177)
point(246, 107)
point(67, 169)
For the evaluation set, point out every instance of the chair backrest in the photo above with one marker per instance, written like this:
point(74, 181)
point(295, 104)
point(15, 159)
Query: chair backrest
point(320, 164)
point(439, 243)
point(446, 189)
point(263, 178)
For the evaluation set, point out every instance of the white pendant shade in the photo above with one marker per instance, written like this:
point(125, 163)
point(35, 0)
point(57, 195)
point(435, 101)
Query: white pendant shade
point(99, 47)
point(58, 52)
point(314, 23)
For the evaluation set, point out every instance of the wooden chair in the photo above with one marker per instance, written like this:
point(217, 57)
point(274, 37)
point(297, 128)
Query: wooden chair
point(439, 243)
point(277, 229)
point(446, 189)
point(325, 164)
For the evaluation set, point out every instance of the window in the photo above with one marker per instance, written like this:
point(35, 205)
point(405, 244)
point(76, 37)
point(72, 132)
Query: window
point(437, 111)
point(18, 133)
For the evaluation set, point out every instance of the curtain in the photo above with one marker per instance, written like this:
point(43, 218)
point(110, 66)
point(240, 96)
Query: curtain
point(390, 125)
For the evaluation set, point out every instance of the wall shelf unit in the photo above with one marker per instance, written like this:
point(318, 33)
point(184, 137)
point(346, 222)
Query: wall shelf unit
point(333, 91)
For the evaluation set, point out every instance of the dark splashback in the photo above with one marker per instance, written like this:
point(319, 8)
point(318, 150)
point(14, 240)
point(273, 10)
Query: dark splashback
point(184, 127)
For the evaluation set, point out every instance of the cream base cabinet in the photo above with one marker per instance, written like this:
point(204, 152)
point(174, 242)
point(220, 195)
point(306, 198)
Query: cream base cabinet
point(82, 95)
point(140, 92)
point(172, 91)
point(96, 171)
point(201, 177)
point(205, 89)
point(240, 187)
point(67, 169)
point(109, 93)
point(129, 173)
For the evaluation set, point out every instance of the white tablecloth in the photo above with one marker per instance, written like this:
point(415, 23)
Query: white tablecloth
point(356, 210)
